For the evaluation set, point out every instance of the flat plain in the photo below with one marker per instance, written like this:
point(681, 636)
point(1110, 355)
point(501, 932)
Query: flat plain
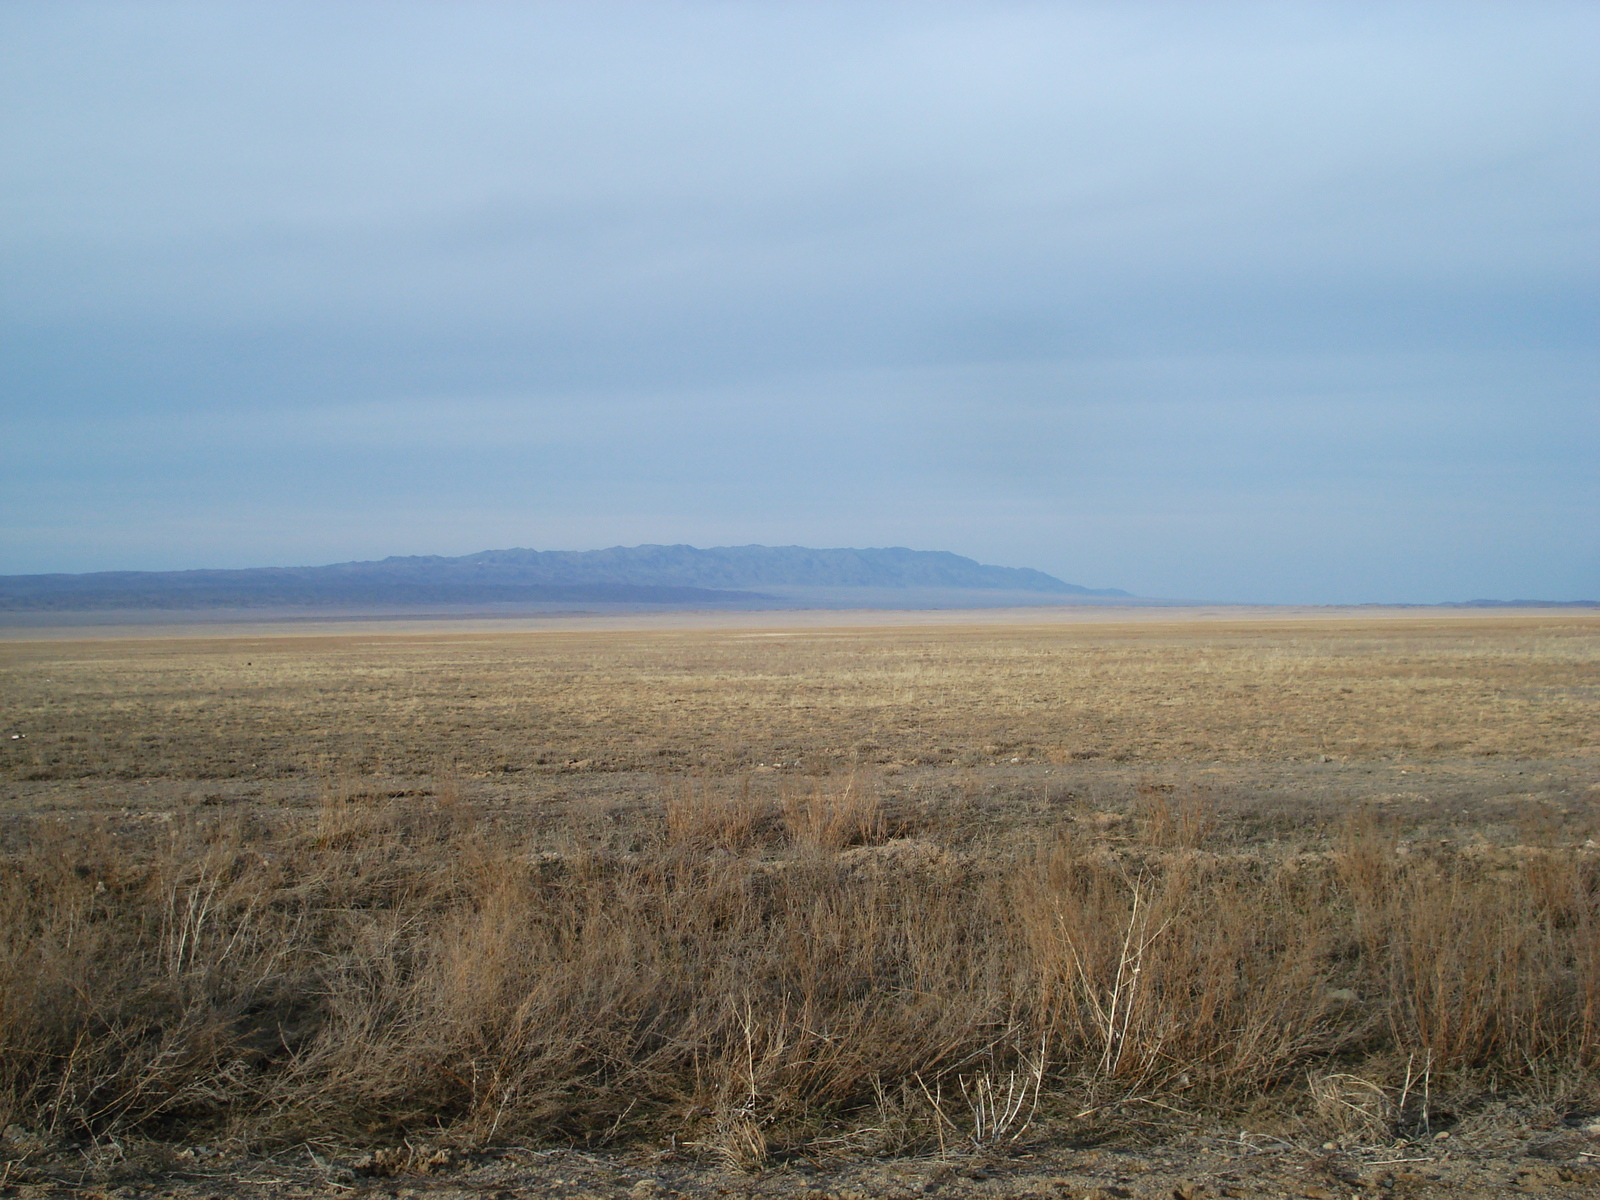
point(1299, 903)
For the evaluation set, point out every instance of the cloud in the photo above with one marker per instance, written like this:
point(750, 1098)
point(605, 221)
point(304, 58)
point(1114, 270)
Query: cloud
point(1050, 282)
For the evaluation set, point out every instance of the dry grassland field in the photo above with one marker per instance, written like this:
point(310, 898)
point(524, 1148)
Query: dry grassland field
point(1128, 904)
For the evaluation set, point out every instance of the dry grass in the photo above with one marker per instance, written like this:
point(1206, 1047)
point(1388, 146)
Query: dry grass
point(807, 918)
point(755, 981)
point(814, 701)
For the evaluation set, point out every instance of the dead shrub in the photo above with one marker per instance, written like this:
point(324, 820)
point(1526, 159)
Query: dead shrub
point(701, 814)
point(1475, 967)
point(393, 966)
point(1170, 820)
point(825, 819)
point(1353, 1107)
point(1184, 973)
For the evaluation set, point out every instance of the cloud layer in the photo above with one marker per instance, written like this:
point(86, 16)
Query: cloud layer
point(1260, 302)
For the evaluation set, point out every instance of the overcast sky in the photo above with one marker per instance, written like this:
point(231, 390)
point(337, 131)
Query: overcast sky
point(1283, 302)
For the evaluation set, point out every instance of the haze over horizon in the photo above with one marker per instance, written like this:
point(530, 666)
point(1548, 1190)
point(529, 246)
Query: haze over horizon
point(1235, 302)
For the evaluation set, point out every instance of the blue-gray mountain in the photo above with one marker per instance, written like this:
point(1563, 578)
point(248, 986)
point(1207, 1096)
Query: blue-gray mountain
point(667, 575)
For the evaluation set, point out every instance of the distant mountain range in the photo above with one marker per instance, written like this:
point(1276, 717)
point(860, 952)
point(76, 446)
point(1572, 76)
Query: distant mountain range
point(1521, 604)
point(676, 576)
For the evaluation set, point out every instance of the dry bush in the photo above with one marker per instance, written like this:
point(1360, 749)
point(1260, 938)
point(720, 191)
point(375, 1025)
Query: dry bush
point(395, 966)
point(1188, 973)
point(583, 994)
point(140, 991)
point(1478, 966)
point(1171, 820)
point(826, 818)
point(710, 814)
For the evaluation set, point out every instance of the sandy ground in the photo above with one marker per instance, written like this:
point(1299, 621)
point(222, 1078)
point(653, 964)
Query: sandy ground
point(1505, 1153)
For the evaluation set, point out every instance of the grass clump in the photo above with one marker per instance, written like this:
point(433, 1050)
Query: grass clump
point(763, 974)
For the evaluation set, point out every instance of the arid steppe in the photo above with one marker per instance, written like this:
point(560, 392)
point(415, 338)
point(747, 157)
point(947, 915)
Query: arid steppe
point(1143, 903)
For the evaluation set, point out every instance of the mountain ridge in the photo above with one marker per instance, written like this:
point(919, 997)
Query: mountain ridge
point(676, 575)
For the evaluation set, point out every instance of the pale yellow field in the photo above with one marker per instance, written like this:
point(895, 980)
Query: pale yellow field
point(816, 699)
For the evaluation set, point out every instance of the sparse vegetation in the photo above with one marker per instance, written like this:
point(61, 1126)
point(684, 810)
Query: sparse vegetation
point(757, 976)
point(816, 701)
point(885, 957)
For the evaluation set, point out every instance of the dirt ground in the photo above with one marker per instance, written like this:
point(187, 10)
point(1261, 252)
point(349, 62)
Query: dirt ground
point(1475, 733)
point(1511, 1155)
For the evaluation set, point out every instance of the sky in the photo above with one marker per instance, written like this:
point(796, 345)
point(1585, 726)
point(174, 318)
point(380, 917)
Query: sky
point(1274, 302)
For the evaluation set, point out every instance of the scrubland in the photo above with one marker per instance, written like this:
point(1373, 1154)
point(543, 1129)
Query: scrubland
point(279, 707)
point(754, 900)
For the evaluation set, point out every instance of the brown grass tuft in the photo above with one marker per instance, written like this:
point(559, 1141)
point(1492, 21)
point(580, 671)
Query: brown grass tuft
point(826, 817)
point(394, 965)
